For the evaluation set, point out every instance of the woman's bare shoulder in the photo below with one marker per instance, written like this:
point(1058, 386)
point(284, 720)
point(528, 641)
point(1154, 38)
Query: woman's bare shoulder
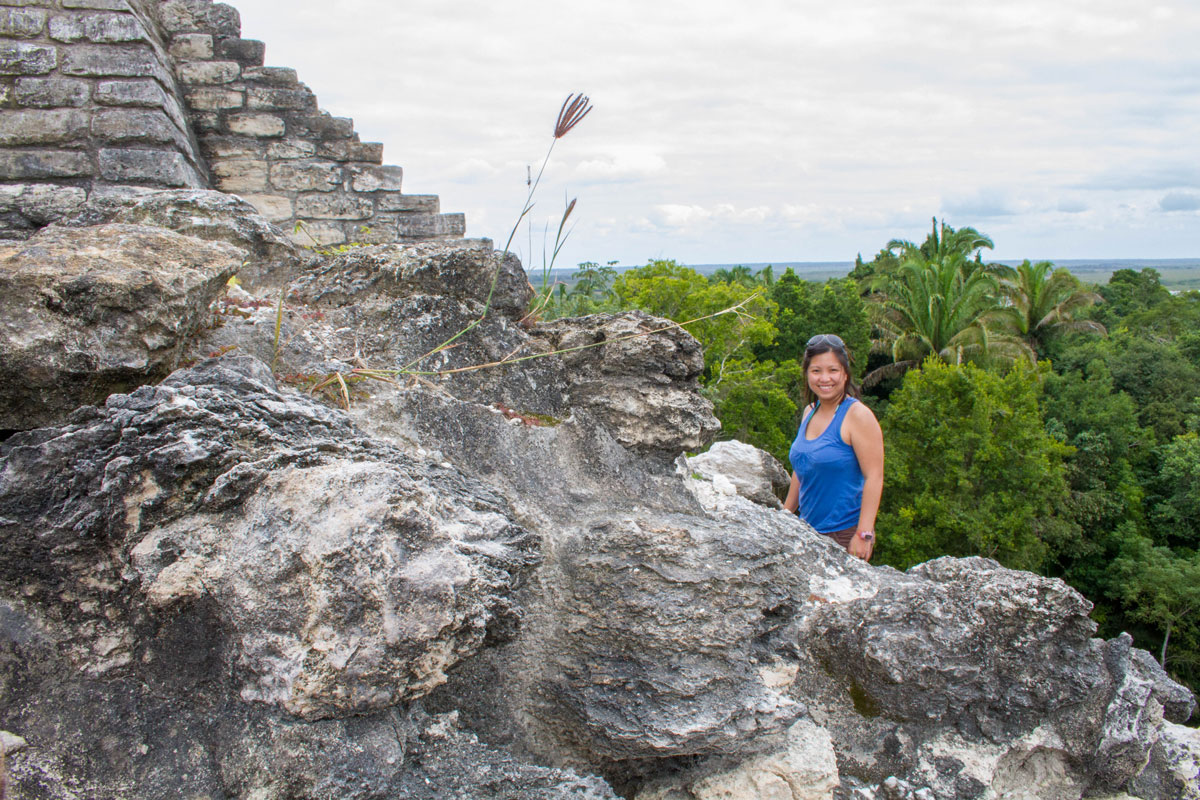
point(860, 410)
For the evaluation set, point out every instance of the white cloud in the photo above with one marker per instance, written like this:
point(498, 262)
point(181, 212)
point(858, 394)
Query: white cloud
point(778, 130)
point(621, 167)
point(1180, 201)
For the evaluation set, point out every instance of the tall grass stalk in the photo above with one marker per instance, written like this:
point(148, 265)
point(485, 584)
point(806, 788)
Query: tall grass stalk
point(574, 109)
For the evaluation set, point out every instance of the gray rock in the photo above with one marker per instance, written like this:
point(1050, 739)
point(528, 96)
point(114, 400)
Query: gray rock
point(638, 373)
point(1174, 768)
point(184, 578)
point(804, 769)
point(755, 474)
point(86, 312)
point(463, 271)
point(273, 261)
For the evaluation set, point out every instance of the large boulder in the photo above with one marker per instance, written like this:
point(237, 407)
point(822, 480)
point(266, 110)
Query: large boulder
point(753, 473)
point(272, 259)
point(87, 312)
point(250, 545)
point(640, 375)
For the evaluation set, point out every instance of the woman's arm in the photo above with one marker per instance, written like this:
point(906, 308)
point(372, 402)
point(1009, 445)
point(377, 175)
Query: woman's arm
point(792, 503)
point(866, 437)
point(793, 496)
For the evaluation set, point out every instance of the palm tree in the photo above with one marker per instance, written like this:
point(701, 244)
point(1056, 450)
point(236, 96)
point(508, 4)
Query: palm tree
point(966, 241)
point(735, 275)
point(1045, 301)
point(940, 301)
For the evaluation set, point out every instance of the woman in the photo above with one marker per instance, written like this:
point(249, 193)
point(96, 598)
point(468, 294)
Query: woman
point(837, 458)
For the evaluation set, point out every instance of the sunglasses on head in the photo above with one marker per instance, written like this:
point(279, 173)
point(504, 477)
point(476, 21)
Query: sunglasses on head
point(826, 340)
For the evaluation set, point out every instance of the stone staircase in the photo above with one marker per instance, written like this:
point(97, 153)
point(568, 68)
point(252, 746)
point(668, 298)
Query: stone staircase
point(166, 93)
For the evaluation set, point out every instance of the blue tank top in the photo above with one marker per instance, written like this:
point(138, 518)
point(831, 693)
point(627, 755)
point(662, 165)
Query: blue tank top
point(831, 482)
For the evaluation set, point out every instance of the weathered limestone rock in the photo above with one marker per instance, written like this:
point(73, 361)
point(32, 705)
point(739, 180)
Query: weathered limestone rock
point(1174, 768)
point(327, 611)
point(272, 259)
point(804, 770)
point(642, 384)
point(86, 312)
point(753, 473)
point(463, 271)
point(255, 548)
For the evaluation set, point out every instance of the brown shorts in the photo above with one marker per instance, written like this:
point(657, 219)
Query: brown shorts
point(842, 537)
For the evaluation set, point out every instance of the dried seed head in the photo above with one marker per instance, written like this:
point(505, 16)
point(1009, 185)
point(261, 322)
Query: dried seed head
point(573, 110)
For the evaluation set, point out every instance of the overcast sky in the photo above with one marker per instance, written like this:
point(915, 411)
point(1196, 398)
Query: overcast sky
point(776, 130)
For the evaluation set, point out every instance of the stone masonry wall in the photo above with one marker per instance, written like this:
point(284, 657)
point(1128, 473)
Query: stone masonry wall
point(87, 101)
point(96, 94)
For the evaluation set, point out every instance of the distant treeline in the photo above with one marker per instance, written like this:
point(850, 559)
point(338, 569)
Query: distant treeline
point(1174, 273)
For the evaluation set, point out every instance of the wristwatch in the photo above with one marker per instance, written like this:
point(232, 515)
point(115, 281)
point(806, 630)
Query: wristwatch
point(867, 536)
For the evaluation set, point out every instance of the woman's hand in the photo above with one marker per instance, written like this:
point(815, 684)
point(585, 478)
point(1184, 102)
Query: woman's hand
point(861, 548)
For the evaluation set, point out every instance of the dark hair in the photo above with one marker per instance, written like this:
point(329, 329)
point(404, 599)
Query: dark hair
point(828, 343)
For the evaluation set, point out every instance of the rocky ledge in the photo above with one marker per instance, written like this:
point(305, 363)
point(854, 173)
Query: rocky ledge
point(359, 528)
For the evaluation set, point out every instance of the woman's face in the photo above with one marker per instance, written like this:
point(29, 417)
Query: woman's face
point(827, 377)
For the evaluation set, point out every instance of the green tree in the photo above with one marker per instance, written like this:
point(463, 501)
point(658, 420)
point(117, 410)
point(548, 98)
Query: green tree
point(970, 469)
point(946, 307)
point(807, 308)
point(668, 289)
point(738, 274)
point(757, 403)
point(663, 287)
point(1045, 301)
point(1128, 292)
point(1162, 589)
point(1176, 511)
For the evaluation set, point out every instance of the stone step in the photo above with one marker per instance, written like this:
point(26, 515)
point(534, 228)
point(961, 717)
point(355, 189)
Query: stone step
point(427, 226)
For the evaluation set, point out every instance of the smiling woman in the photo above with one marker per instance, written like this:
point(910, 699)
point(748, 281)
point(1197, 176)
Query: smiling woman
point(837, 457)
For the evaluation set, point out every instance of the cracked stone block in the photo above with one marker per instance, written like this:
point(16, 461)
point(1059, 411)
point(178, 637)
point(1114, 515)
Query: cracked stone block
point(334, 205)
point(208, 98)
point(429, 225)
point(263, 125)
point(247, 52)
point(236, 175)
point(21, 164)
point(99, 28)
point(209, 71)
point(124, 125)
point(41, 127)
point(130, 61)
point(372, 178)
point(192, 46)
point(271, 97)
point(347, 150)
point(27, 59)
point(21, 23)
point(52, 92)
point(291, 148)
point(396, 201)
point(130, 93)
point(306, 176)
point(162, 167)
point(272, 76)
point(324, 126)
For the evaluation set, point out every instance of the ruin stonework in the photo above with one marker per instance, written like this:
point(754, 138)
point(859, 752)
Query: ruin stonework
point(100, 96)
